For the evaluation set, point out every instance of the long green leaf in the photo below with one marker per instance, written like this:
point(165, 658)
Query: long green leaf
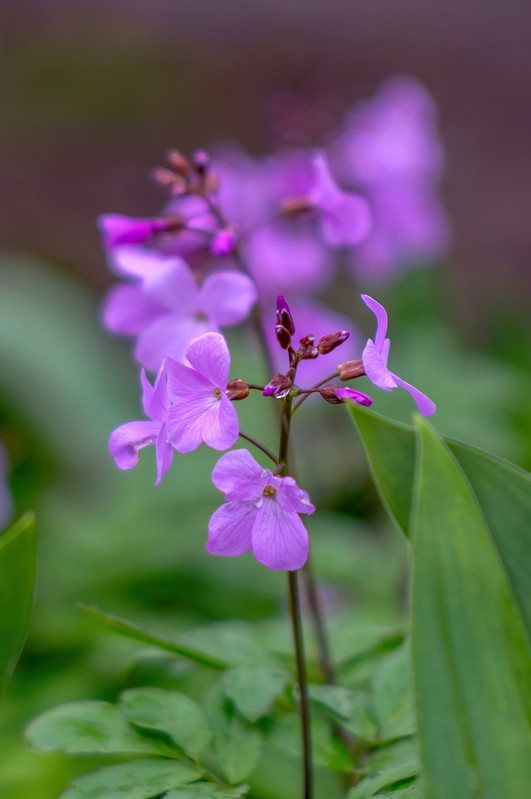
point(471, 655)
point(17, 585)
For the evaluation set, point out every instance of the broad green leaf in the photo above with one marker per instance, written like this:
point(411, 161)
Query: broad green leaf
point(346, 706)
point(236, 743)
point(253, 689)
point(205, 790)
point(390, 766)
point(235, 643)
point(131, 630)
point(88, 727)
point(392, 695)
point(471, 655)
point(168, 711)
point(17, 583)
point(141, 779)
point(283, 735)
point(413, 791)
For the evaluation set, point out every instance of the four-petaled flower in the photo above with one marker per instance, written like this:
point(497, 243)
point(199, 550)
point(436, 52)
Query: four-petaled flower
point(376, 354)
point(261, 513)
point(128, 439)
point(200, 409)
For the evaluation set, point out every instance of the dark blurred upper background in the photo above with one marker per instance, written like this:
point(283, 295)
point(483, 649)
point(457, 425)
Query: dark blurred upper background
point(93, 94)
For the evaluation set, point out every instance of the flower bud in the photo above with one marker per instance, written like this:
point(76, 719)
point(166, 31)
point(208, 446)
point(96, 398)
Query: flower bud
point(179, 163)
point(296, 206)
point(223, 242)
point(337, 396)
point(308, 353)
point(283, 336)
point(169, 180)
point(307, 341)
point(237, 390)
point(351, 369)
point(201, 162)
point(279, 387)
point(284, 316)
point(328, 343)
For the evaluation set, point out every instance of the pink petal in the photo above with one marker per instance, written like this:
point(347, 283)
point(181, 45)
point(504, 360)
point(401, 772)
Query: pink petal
point(381, 319)
point(164, 453)
point(204, 417)
point(221, 426)
point(239, 476)
point(127, 311)
point(292, 498)
point(185, 382)
point(210, 355)
point(425, 405)
point(228, 297)
point(118, 229)
point(147, 393)
point(159, 403)
point(345, 217)
point(375, 365)
point(280, 539)
point(169, 335)
point(126, 442)
point(172, 283)
point(134, 261)
point(230, 529)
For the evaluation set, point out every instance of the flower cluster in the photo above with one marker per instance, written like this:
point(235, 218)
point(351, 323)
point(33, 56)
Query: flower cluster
point(234, 232)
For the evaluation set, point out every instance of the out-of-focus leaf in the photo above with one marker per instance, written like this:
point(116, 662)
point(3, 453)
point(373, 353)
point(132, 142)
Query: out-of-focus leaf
point(141, 779)
point(236, 743)
point(17, 584)
point(392, 695)
point(138, 634)
point(284, 736)
point(471, 654)
point(168, 711)
point(253, 689)
point(344, 705)
point(89, 727)
point(390, 766)
point(204, 790)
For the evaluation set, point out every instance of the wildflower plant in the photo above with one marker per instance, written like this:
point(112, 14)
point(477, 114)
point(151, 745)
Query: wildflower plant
point(249, 244)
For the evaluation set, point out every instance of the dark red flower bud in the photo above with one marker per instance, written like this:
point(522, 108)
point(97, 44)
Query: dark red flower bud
point(201, 162)
point(307, 341)
point(284, 316)
point(337, 396)
point(351, 369)
point(296, 206)
point(328, 343)
point(279, 386)
point(283, 336)
point(169, 180)
point(308, 353)
point(237, 389)
point(329, 394)
point(179, 163)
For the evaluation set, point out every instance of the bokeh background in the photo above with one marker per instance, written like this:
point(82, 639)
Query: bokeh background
point(92, 96)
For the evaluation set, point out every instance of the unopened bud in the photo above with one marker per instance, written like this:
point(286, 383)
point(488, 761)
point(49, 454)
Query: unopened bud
point(223, 242)
point(283, 336)
point(279, 387)
point(284, 316)
point(171, 181)
point(179, 163)
point(295, 206)
point(308, 353)
point(237, 389)
point(337, 396)
point(328, 343)
point(201, 162)
point(351, 369)
point(307, 341)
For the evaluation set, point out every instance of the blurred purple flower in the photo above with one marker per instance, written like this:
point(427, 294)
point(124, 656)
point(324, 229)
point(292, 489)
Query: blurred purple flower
point(376, 354)
point(126, 441)
point(6, 500)
point(390, 151)
point(261, 513)
point(118, 229)
point(200, 409)
point(165, 308)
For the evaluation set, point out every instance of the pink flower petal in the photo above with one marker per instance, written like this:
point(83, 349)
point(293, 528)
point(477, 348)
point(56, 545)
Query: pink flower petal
point(172, 283)
point(375, 365)
point(164, 454)
point(159, 404)
point(381, 319)
point(239, 476)
point(292, 498)
point(126, 442)
point(425, 405)
point(221, 427)
point(133, 261)
point(185, 382)
point(126, 310)
point(280, 539)
point(147, 393)
point(169, 335)
point(228, 297)
point(230, 529)
point(210, 355)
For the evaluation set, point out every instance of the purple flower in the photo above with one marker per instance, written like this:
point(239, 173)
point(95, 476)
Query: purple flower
point(345, 218)
point(126, 441)
point(118, 229)
point(200, 409)
point(376, 354)
point(6, 501)
point(165, 308)
point(261, 513)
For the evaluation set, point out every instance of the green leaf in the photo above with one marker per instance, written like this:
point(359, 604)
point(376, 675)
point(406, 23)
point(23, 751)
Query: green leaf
point(471, 655)
point(283, 735)
point(253, 689)
point(345, 706)
point(390, 766)
point(17, 584)
point(205, 790)
point(141, 779)
point(236, 743)
point(392, 695)
point(88, 727)
point(171, 712)
point(413, 791)
point(131, 630)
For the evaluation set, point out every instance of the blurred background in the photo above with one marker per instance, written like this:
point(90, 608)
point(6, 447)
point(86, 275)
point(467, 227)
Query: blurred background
point(92, 96)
